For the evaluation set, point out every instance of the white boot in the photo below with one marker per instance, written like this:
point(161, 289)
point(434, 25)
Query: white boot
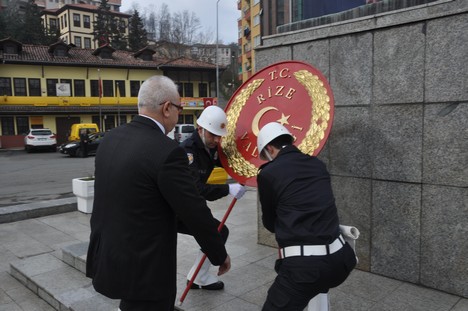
point(203, 277)
point(319, 303)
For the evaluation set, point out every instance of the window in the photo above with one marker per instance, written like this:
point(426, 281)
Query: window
point(20, 86)
point(134, 88)
point(256, 40)
point(5, 86)
point(202, 89)
point(87, 43)
point(86, 21)
point(65, 20)
point(188, 118)
point(78, 41)
point(107, 88)
point(53, 25)
point(120, 85)
point(94, 84)
point(51, 87)
point(180, 89)
point(22, 125)
point(60, 51)
point(34, 87)
point(95, 119)
point(8, 126)
point(79, 88)
point(188, 89)
point(76, 20)
point(69, 82)
point(122, 120)
point(256, 20)
point(109, 122)
point(280, 12)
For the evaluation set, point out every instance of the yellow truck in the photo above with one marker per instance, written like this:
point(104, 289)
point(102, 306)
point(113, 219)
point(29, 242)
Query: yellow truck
point(76, 128)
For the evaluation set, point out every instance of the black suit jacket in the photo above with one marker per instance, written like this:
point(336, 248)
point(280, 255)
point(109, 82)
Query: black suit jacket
point(142, 183)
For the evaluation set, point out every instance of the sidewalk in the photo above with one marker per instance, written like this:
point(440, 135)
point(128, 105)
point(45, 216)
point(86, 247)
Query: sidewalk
point(43, 241)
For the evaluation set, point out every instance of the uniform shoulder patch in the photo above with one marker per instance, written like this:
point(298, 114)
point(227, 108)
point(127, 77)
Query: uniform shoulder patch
point(190, 158)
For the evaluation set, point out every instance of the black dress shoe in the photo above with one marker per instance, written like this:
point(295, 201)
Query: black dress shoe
point(214, 286)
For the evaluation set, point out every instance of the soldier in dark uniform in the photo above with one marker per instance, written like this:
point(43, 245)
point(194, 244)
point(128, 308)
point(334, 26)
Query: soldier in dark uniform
point(299, 207)
point(202, 154)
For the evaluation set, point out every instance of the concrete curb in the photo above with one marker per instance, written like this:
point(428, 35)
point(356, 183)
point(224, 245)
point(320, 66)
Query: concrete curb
point(37, 209)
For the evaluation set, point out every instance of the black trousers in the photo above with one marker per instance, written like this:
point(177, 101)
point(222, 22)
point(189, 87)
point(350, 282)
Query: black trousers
point(302, 278)
point(142, 305)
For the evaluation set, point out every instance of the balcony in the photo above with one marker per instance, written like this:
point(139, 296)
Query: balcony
point(246, 11)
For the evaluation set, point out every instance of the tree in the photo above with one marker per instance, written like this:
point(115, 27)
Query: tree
point(137, 37)
point(33, 31)
point(107, 28)
point(164, 23)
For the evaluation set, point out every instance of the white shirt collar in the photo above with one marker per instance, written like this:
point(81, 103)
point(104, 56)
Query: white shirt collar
point(157, 123)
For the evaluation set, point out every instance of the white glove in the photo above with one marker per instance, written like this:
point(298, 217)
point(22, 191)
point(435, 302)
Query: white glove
point(236, 190)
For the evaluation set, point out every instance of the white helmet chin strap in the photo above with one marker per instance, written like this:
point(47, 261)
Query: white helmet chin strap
point(268, 155)
point(203, 140)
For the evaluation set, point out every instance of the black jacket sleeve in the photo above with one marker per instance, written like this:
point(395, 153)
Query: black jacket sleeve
point(267, 201)
point(180, 192)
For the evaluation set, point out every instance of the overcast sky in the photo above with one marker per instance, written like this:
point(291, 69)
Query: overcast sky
point(205, 11)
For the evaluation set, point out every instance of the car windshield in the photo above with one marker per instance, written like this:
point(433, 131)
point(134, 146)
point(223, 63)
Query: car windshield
point(41, 132)
point(188, 129)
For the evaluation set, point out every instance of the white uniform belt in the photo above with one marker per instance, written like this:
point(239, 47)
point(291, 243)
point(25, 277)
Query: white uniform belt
point(312, 250)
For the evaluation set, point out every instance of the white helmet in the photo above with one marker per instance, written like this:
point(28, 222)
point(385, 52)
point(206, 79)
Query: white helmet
point(268, 133)
point(213, 119)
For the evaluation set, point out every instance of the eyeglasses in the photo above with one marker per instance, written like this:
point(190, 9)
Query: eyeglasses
point(179, 107)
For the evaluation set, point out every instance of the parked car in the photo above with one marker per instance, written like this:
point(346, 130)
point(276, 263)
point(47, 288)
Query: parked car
point(72, 148)
point(40, 139)
point(183, 131)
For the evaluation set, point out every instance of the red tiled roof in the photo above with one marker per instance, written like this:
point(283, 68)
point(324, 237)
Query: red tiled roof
point(38, 54)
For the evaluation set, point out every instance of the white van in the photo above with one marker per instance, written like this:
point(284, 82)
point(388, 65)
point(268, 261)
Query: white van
point(183, 131)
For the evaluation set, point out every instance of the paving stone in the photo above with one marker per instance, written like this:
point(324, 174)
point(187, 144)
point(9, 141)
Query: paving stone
point(38, 264)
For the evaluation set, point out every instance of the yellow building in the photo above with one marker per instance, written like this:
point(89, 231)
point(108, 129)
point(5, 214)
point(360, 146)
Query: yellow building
point(59, 85)
point(249, 36)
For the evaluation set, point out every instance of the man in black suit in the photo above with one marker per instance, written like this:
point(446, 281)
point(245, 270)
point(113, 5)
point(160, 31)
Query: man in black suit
point(143, 185)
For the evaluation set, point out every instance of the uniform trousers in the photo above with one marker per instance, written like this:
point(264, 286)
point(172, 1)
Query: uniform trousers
point(300, 278)
point(204, 277)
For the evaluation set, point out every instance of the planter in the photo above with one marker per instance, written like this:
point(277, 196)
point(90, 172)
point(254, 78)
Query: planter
point(83, 188)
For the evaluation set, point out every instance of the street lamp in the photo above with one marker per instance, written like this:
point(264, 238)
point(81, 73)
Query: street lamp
point(217, 65)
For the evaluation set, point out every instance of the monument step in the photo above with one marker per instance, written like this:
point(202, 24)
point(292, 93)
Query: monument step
point(62, 282)
point(60, 285)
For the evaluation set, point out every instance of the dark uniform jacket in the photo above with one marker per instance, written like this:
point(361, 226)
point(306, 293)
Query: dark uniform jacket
point(297, 199)
point(201, 163)
point(142, 186)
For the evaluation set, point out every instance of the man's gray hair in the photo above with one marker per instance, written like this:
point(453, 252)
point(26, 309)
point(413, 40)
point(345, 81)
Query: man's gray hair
point(155, 91)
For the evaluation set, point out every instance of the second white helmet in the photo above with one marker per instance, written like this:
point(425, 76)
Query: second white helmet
point(213, 119)
point(269, 132)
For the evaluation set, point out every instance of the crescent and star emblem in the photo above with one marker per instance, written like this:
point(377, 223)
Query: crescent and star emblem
point(292, 93)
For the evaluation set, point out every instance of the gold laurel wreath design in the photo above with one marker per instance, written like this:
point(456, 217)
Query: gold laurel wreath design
point(320, 110)
point(318, 125)
point(235, 159)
